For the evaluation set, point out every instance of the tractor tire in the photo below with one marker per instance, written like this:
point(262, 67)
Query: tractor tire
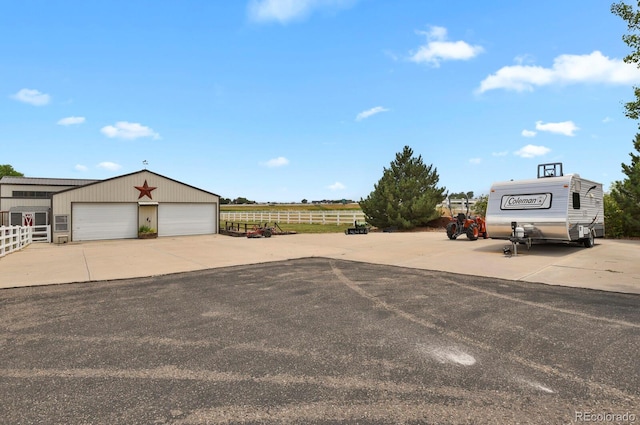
point(266, 233)
point(473, 232)
point(452, 231)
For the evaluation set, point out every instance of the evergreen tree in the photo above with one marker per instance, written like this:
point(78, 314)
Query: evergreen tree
point(406, 196)
point(632, 17)
point(626, 194)
point(613, 216)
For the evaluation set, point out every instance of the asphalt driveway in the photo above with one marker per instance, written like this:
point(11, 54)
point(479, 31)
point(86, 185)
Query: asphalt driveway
point(317, 341)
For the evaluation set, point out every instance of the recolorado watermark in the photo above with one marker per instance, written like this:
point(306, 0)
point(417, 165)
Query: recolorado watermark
point(604, 417)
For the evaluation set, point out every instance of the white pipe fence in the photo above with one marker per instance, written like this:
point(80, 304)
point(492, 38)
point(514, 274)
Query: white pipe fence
point(293, 217)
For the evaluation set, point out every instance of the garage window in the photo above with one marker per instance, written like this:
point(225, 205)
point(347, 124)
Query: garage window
point(61, 223)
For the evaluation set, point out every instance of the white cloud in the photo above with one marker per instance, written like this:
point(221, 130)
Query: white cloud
point(71, 121)
point(475, 160)
point(566, 69)
point(80, 167)
point(366, 114)
point(284, 11)
point(566, 128)
point(277, 162)
point(337, 186)
point(32, 97)
point(531, 151)
point(128, 130)
point(522, 59)
point(439, 49)
point(607, 120)
point(528, 133)
point(111, 166)
point(391, 54)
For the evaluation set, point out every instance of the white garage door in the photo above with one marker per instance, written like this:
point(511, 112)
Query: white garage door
point(186, 219)
point(97, 221)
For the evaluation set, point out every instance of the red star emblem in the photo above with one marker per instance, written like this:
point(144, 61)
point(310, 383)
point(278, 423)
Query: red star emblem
point(145, 190)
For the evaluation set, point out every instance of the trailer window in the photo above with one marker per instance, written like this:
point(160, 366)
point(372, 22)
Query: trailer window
point(576, 200)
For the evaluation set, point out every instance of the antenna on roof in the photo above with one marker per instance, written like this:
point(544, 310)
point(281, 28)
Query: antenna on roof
point(145, 163)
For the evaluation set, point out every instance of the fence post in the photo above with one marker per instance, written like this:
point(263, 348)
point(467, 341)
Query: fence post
point(294, 216)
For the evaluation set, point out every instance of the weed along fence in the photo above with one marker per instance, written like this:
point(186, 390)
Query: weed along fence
point(293, 217)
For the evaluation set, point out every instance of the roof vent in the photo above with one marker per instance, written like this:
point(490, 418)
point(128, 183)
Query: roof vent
point(553, 169)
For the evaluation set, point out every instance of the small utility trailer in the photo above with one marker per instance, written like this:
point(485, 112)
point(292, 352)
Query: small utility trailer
point(552, 208)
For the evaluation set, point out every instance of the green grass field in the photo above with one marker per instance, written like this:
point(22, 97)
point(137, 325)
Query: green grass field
point(295, 227)
point(314, 228)
point(301, 227)
point(289, 207)
point(307, 228)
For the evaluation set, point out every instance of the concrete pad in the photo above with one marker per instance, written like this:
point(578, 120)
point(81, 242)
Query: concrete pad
point(612, 265)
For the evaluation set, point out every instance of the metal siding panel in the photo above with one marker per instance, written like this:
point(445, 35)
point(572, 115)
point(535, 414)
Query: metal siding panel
point(591, 212)
point(544, 223)
point(186, 219)
point(122, 190)
point(560, 221)
point(7, 204)
point(97, 221)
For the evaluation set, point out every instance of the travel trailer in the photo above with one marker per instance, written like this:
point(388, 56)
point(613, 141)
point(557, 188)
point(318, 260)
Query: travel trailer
point(551, 208)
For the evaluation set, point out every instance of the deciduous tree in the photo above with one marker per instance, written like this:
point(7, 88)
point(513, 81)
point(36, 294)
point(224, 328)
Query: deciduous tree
point(7, 170)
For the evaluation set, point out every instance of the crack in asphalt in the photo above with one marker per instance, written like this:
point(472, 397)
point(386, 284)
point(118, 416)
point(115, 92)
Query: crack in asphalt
point(544, 306)
point(549, 370)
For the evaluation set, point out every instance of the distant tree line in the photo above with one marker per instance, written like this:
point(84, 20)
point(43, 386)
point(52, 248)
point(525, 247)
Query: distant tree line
point(241, 200)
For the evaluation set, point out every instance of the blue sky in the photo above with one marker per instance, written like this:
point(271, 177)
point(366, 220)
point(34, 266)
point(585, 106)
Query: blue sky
point(284, 100)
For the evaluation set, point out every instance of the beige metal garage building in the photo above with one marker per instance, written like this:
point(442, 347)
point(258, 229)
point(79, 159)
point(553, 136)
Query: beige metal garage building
point(117, 207)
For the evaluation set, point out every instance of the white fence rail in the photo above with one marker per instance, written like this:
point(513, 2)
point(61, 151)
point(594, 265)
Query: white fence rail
point(14, 238)
point(293, 217)
point(41, 234)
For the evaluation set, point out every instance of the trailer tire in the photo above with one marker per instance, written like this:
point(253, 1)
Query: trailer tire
point(266, 233)
point(473, 232)
point(590, 241)
point(451, 231)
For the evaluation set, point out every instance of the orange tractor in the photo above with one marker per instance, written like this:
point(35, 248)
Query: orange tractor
point(472, 226)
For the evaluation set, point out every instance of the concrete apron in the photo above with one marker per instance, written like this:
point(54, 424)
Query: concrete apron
point(612, 265)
